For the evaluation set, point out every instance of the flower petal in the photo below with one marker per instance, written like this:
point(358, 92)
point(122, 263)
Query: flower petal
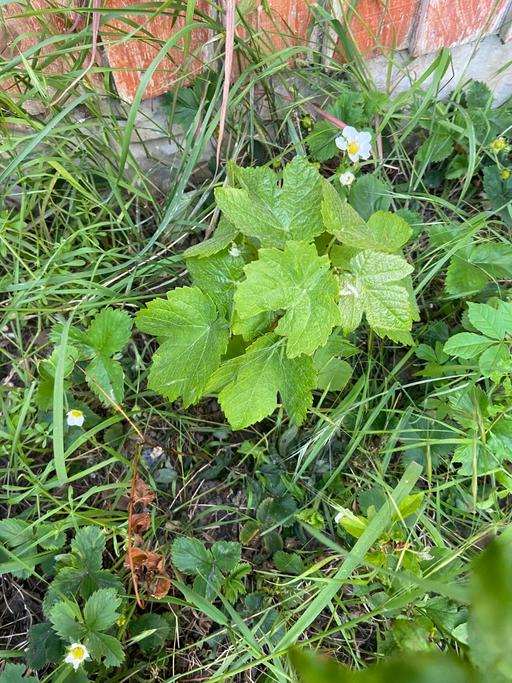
point(365, 150)
point(340, 143)
point(350, 133)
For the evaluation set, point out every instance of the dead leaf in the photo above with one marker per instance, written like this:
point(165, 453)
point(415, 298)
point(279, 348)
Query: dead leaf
point(149, 568)
point(141, 522)
point(142, 494)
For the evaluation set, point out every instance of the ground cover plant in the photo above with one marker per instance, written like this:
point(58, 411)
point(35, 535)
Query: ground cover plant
point(256, 424)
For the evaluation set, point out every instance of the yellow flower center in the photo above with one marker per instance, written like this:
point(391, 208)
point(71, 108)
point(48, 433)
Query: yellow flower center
point(353, 148)
point(498, 144)
point(505, 174)
point(75, 413)
point(78, 652)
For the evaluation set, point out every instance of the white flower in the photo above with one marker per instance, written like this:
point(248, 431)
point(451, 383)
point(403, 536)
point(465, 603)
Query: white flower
point(234, 250)
point(77, 653)
point(75, 418)
point(347, 178)
point(356, 144)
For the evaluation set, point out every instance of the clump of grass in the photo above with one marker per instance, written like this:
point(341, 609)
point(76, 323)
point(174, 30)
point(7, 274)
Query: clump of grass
point(83, 228)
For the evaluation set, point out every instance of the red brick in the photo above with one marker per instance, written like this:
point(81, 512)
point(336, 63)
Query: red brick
point(443, 23)
point(377, 25)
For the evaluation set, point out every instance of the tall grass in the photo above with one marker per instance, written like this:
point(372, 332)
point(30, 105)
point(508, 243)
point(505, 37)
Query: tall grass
point(84, 227)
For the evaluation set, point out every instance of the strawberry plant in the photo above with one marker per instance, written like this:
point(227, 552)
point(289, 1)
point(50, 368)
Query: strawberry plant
point(291, 270)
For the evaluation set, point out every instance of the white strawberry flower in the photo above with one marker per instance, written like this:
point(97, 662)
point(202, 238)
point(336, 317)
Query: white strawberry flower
point(347, 178)
point(75, 418)
point(77, 653)
point(234, 250)
point(356, 143)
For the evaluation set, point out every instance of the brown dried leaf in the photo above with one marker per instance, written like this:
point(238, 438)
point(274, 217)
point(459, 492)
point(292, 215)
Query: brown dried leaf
point(140, 522)
point(142, 494)
point(149, 568)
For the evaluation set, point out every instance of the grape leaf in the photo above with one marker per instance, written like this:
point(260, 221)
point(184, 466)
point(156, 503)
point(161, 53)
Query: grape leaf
point(274, 215)
point(333, 373)
point(299, 282)
point(216, 276)
point(224, 234)
point(248, 384)
point(375, 288)
point(195, 337)
point(384, 230)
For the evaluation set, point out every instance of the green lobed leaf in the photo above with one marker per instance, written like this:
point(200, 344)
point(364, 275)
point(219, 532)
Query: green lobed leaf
point(223, 236)
point(376, 288)
point(217, 276)
point(106, 376)
point(100, 611)
point(226, 555)
point(248, 384)
point(299, 282)
point(333, 373)
point(195, 337)
point(463, 278)
point(289, 563)
point(109, 332)
point(369, 194)
point(478, 95)
point(495, 360)
point(274, 215)
point(44, 647)
point(190, 556)
point(64, 618)
point(499, 193)
point(106, 649)
point(13, 673)
point(80, 571)
point(384, 231)
point(150, 631)
point(437, 147)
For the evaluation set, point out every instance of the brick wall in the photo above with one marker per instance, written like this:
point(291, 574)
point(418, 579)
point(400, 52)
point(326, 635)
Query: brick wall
point(132, 37)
